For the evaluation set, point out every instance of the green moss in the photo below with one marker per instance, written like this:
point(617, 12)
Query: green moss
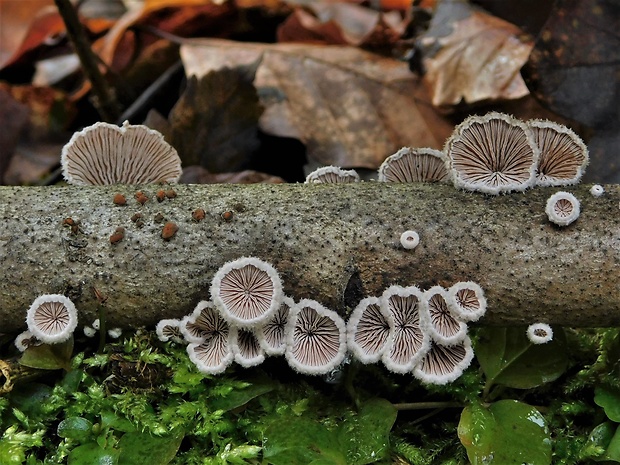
point(142, 395)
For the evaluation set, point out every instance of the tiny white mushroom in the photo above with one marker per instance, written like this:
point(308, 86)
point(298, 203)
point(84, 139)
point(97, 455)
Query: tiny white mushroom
point(169, 329)
point(562, 208)
point(89, 332)
point(414, 165)
point(248, 291)
point(201, 322)
point(115, 333)
point(52, 318)
point(245, 347)
point(493, 153)
point(272, 334)
point(316, 340)
point(411, 339)
point(597, 190)
point(444, 364)
point(25, 340)
point(409, 239)
point(443, 326)
point(108, 154)
point(539, 333)
point(369, 330)
point(332, 175)
point(467, 301)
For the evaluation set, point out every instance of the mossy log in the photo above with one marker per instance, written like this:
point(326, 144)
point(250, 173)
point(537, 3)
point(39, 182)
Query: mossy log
point(332, 243)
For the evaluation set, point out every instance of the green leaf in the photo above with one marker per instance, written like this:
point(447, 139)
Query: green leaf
point(112, 420)
point(30, 399)
point(92, 454)
point(508, 357)
point(238, 397)
point(609, 399)
point(11, 454)
point(598, 442)
point(367, 434)
point(145, 449)
point(49, 356)
point(508, 432)
point(613, 449)
point(76, 428)
point(301, 440)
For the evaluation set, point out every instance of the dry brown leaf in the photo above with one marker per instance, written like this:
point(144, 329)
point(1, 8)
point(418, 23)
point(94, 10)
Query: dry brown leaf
point(342, 24)
point(350, 107)
point(471, 56)
point(181, 17)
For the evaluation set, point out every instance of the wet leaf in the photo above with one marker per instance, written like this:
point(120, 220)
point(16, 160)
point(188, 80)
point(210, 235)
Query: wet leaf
point(367, 435)
point(240, 397)
point(609, 399)
point(30, 400)
point(471, 56)
point(76, 428)
point(598, 441)
point(342, 24)
point(48, 356)
point(350, 108)
point(143, 448)
point(93, 454)
point(301, 440)
point(507, 357)
point(215, 122)
point(508, 432)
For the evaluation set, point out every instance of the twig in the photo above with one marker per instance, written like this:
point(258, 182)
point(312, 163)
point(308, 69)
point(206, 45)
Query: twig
point(428, 405)
point(150, 93)
point(104, 99)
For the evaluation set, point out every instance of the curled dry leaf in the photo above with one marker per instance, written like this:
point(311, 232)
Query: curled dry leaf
point(342, 24)
point(350, 107)
point(471, 56)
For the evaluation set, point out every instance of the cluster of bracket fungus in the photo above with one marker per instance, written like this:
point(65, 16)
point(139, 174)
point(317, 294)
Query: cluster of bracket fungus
point(249, 318)
point(108, 154)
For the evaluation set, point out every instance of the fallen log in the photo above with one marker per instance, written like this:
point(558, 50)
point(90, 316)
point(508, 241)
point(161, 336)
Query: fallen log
point(332, 243)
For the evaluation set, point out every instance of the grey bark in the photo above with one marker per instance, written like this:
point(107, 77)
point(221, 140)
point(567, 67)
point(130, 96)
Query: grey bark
point(332, 243)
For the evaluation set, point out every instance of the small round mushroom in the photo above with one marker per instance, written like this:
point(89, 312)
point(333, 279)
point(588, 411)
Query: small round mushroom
point(169, 330)
point(562, 208)
point(443, 325)
point(597, 190)
point(539, 333)
point(415, 165)
point(444, 364)
point(52, 318)
point(272, 335)
point(331, 175)
point(245, 347)
point(369, 330)
point(213, 355)
point(25, 340)
point(316, 340)
point(108, 154)
point(248, 291)
point(467, 301)
point(563, 155)
point(411, 339)
point(409, 239)
point(201, 322)
point(493, 153)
